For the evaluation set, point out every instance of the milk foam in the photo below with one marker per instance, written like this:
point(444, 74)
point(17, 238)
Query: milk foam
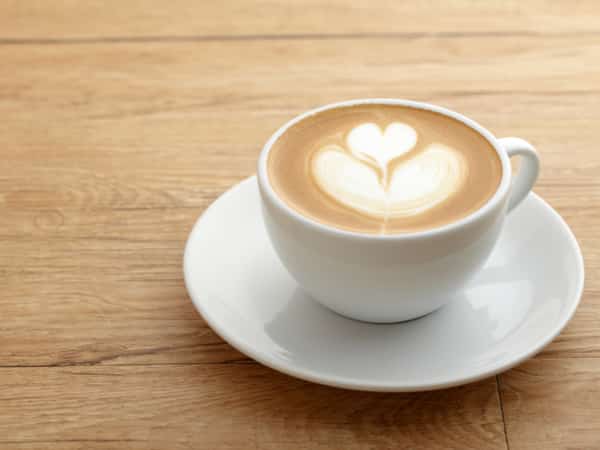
point(362, 177)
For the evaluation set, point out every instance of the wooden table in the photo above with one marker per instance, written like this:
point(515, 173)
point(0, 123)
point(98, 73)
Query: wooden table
point(120, 122)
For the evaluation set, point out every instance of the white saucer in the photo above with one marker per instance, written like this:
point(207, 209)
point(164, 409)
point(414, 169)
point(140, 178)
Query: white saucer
point(520, 301)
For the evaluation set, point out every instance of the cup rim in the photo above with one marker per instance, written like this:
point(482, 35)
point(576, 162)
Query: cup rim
point(489, 205)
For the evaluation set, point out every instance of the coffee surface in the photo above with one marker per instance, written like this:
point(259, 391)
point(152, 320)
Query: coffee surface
point(383, 169)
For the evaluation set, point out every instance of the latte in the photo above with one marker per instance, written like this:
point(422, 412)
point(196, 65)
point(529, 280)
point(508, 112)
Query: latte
point(383, 169)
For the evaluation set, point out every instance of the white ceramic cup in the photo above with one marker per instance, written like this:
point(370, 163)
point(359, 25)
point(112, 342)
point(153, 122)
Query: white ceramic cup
point(396, 277)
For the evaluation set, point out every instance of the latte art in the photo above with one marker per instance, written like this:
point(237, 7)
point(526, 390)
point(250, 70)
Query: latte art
point(383, 169)
point(366, 179)
point(367, 142)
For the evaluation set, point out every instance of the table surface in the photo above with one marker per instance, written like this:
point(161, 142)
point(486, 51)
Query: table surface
point(122, 121)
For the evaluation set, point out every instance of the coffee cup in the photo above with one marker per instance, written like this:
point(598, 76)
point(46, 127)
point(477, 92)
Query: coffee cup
point(450, 224)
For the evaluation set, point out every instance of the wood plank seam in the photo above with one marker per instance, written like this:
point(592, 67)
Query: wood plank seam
point(501, 405)
point(62, 365)
point(297, 36)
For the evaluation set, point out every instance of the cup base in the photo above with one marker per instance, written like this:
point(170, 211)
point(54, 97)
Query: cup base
point(383, 321)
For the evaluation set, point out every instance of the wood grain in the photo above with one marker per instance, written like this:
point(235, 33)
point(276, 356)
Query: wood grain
point(233, 406)
point(552, 403)
point(122, 121)
point(190, 19)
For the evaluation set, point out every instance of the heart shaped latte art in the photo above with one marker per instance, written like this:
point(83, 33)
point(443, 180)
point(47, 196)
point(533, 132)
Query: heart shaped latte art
point(359, 177)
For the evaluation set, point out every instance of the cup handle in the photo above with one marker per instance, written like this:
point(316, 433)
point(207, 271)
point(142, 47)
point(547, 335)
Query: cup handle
point(528, 172)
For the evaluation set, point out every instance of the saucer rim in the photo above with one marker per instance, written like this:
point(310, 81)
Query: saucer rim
point(356, 384)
